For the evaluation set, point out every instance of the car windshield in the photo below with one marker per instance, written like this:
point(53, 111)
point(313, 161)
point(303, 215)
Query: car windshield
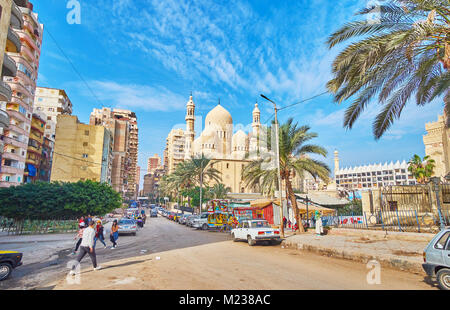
point(122, 222)
point(259, 224)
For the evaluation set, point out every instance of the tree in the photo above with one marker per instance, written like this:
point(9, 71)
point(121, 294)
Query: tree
point(406, 52)
point(219, 191)
point(293, 159)
point(48, 201)
point(421, 169)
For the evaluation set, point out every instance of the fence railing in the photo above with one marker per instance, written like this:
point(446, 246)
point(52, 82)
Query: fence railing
point(399, 220)
point(24, 227)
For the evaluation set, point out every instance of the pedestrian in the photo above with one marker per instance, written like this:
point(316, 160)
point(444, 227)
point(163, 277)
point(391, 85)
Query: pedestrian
point(319, 228)
point(99, 234)
point(284, 221)
point(295, 227)
point(79, 235)
point(289, 224)
point(114, 234)
point(81, 220)
point(87, 219)
point(87, 245)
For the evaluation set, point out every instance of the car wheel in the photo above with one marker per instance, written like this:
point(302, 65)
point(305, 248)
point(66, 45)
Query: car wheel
point(5, 270)
point(274, 242)
point(205, 227)
point(134, 234)
point(250, 241)
point(443, 278)
point(234, 238)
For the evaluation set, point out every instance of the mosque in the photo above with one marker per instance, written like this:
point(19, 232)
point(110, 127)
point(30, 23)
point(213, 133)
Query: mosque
point(231, 151)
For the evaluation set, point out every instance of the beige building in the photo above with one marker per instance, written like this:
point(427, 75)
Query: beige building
point(82, 152)
point(437, 145)
point(153, 163)
point(132, 144)
point(52, 102)
point(175, 143)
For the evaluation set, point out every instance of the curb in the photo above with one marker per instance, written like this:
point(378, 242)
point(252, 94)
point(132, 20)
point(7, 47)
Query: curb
point(394, 262)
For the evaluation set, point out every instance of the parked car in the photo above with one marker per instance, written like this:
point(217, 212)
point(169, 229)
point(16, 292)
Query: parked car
point(171, 215)
point(153, 213)
point(255, 230)
point(9, 260)
point(436, 258)
point(201, 222)
point(177, 216)
point(190, 220)
point(183, 219)
point(127, 226)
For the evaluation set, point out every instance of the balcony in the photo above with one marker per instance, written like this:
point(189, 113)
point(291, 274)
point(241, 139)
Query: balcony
point(14, 142)
point(4, 119)
point(5, 92)
point(13, 156)
point(13, 37)
point(11, 170)
point(17, 115)
point(8, 184)
point(16, 17)
point(9, 66)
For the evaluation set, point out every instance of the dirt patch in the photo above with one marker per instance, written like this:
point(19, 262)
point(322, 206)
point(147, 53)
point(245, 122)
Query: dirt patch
point(367, 240)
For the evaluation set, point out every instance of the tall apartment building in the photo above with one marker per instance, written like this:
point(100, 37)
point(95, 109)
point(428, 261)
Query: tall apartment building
point(82, 152)
point(35, 148)
point(21, 61)
point(133, 143)
point(175, 145)
point(52, 102)
point(151, 182)
point(119, 129)
point(45, 167)
point(153, 163)
point(138, 178)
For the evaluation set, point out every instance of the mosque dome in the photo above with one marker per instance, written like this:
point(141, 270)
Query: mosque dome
point(239, 140)
point(219, 116)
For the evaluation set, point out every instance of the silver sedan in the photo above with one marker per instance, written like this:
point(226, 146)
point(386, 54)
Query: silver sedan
point(127, 226)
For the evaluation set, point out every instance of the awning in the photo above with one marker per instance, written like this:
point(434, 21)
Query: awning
point(261, 203)
point(313, 208)
point(31, 170)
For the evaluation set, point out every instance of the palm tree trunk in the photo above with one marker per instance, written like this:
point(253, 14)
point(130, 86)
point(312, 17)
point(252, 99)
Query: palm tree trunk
point(293, 200)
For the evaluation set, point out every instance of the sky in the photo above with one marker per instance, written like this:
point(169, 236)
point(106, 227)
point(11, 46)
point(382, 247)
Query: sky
point(148, 55)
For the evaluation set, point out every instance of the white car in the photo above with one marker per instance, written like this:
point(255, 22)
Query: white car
point(201, 222)
point(255, 230)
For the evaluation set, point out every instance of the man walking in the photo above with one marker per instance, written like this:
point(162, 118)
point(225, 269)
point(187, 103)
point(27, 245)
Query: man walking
point(87, 245)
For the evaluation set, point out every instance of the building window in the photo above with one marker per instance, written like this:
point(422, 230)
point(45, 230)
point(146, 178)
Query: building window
point(86, 132)
point(85, 155)
point(85, 144)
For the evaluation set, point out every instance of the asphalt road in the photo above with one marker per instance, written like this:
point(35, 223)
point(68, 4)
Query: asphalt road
point(158, 235)
point(241, 266)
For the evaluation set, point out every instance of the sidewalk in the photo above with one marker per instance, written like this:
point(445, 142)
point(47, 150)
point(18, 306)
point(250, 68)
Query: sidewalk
point(390, 251)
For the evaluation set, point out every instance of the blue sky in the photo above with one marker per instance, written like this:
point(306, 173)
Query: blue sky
point(148, 55)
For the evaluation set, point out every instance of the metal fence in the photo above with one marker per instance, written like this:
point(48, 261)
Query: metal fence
point(24, 227)
point(398, 220)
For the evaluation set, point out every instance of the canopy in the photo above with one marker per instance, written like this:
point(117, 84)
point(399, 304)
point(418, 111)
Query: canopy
point(312, 209)
point(261, 203)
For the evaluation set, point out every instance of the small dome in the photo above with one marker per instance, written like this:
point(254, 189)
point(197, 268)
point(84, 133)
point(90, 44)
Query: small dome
point(239, 141)
point(256, 109)
point(219, 116)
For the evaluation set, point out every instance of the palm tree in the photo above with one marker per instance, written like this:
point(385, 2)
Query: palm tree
point(219, 191)
point(421, 169)
point(293, 159)
point(407, 52)
point(200, 169)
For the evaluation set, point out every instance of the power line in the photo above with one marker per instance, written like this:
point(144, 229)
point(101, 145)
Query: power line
point(73, 66)
point(291, 105)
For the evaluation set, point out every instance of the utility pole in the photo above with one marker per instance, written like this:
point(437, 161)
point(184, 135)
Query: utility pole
point(277, 137)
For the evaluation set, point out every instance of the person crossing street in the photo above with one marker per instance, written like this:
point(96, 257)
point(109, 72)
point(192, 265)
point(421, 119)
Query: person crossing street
point(87, 245)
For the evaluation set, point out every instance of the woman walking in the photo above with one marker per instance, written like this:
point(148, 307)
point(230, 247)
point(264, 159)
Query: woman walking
point(99, 234)
point(79, 236)
point(114, 234)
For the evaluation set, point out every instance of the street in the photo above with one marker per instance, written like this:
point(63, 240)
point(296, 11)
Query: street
point(166, 255)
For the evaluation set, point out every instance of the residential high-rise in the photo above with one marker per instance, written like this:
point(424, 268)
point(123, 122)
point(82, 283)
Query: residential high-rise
point(34, 151)
point(21, 62)
point(52, 102)
point(175, 146)
point(82, 152)
point(153, 163)
point(138, 178)
point(119, 128)
point(132, 143)
point(45, 168)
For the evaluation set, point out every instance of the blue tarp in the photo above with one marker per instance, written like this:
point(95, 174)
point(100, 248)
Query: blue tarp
point(31, 170)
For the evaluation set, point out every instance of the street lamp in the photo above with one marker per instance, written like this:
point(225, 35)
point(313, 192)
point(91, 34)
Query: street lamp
point(436, 181)
point(278, 162)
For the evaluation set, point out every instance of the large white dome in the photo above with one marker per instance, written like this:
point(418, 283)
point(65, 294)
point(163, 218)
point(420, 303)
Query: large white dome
point(219, 116)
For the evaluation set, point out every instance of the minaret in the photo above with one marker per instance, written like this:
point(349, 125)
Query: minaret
point(256, 125)
point(336, 162)
point(190, 131)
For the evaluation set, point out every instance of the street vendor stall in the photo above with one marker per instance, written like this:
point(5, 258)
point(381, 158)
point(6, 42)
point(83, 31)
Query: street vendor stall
point(258, 209)
point(219, 214)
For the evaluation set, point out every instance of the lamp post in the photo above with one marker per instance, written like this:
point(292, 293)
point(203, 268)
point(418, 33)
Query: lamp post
point(278, 163)
point(436, 181)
